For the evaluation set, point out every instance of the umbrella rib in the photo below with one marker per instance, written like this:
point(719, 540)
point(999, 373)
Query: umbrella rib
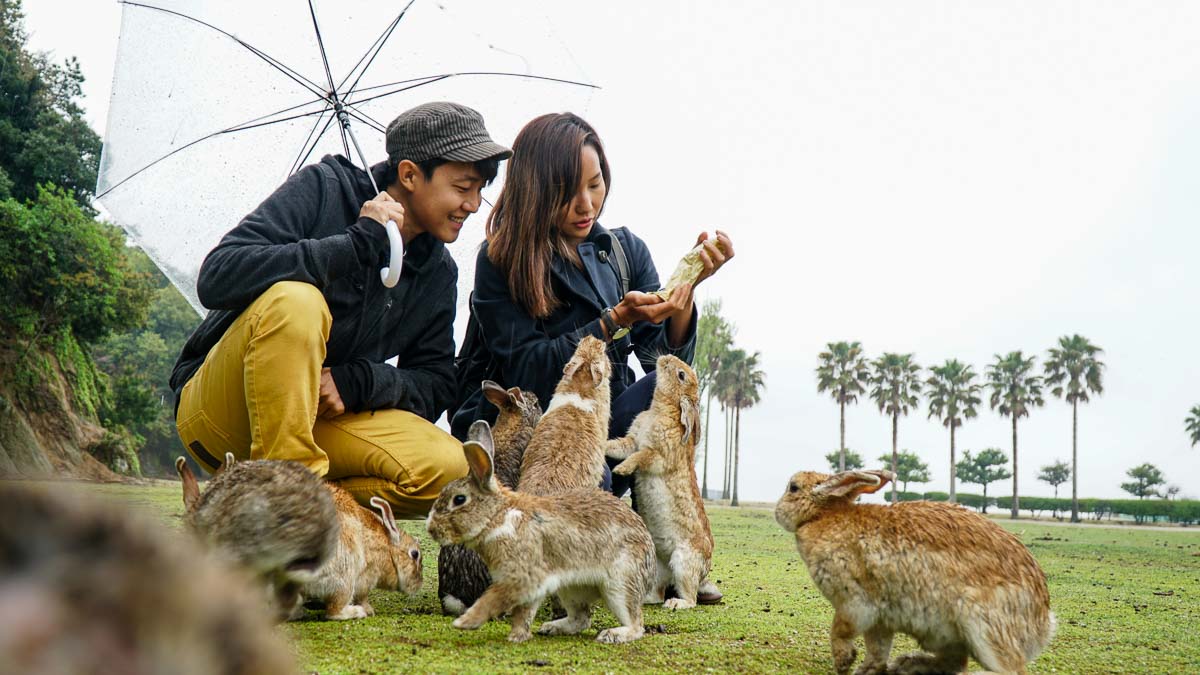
point(314, 144)
point(324, 59)
point(375, 47)
point(365, 118)
point(430, 79)
point(272, 61)
point(228, 130)
point(302, 153)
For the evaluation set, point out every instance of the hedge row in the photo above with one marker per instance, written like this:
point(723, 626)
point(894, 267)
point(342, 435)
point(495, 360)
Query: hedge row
point(1185, 511)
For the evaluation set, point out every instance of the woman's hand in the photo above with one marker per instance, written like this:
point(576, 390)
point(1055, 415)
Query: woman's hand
point(637, 306)
point(712, 257)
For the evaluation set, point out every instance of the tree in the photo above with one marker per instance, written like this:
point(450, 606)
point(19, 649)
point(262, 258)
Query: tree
point(842, 371)
point(953, 397)
point(1192, 423)
point(1055, 474)
point(743, 383)
point(1072, 370)
point(1171, 492)
point(1015, 390)
point(909, 468)
point(895, 384)
point(714, 336)
point(1145, 477)
point(44, 138)
point(983, 469)
point(849, 458)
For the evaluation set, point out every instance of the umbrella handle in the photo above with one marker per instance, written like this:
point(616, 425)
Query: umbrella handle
point(390, 275)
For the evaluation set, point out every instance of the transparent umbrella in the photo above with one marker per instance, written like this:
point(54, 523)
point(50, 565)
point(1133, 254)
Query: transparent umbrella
point(216, 102)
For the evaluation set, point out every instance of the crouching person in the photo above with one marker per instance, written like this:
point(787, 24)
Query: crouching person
point(291, 364)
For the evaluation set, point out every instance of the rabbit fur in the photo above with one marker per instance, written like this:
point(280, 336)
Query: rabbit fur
point(567, 448)
point(583, 545)
point(462, 576)
point(88, 585)
point(954, 580)
point(661, 448)
point(372, 552)
point(275, 518)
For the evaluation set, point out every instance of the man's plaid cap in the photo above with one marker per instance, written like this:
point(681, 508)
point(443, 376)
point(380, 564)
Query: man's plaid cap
point(441, 130)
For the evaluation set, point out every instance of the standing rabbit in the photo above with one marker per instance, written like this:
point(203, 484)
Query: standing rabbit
point(462, 576)
point(567, 448)
point(372, 552)
point(954, 580)
point(661, 449)
point(583, 545)
point(274, 518)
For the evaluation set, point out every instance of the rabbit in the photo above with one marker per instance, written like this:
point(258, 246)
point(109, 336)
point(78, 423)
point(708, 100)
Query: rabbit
point(582, 544)
point(954, 580)
point(372, 552)
point(462, 576)
point(661, 448)
point(90, 585)
point(567, 448)
point(275, 518)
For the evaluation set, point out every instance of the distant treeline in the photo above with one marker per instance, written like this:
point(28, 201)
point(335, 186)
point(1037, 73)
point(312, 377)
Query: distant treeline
point(1183, 511)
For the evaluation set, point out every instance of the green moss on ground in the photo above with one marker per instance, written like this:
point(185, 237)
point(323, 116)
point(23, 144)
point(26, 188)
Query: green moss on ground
point(1127, 601)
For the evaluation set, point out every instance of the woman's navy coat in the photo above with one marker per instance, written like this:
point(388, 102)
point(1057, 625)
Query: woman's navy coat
point(530, 353)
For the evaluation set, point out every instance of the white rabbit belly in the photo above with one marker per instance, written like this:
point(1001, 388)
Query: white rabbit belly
point(657, 508)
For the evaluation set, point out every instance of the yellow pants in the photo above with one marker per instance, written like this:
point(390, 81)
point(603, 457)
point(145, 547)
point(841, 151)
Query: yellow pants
point(256, 396)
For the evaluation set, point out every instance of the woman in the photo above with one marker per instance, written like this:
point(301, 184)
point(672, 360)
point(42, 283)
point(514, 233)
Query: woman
point(549, 274)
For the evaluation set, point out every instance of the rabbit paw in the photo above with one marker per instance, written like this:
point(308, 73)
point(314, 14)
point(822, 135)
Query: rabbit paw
point(678, 603)
point(563, 626)
point(467, 622)
point(622, 634)
point(348, 612)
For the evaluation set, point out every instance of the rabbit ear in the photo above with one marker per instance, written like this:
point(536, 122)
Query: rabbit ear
point(230, 460)
point(191, 488)
point(597, 371)
point(689, 417)
point(479, 457)
point(495, 393)
point(514, 396)
point(849, 484)
point(385, 516)
point(481, 433)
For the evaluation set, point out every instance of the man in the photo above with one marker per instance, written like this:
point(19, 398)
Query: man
point(291, 364)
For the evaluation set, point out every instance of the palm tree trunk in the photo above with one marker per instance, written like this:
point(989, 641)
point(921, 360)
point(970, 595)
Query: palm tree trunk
point(1016, 506)
point(1074, 461)
point(842, 440)
point(728, 453)
point(953, 468)
point(737, 427)
point(707, 410)
point(895, 456)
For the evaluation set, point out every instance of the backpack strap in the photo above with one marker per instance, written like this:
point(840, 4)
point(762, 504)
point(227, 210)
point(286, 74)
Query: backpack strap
point(621, 261)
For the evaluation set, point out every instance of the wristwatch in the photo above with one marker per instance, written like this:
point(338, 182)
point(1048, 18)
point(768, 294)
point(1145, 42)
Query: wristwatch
point(615, 332)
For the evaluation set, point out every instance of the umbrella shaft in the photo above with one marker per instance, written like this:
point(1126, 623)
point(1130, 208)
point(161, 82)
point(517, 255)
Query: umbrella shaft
point(345, 121)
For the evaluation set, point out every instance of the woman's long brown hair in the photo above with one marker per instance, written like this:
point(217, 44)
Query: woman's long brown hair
point(542, 177)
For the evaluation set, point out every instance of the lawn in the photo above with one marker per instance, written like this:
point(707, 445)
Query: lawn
point(1127, 601)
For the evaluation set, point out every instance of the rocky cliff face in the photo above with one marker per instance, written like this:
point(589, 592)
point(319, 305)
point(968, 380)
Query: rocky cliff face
point(43, 433)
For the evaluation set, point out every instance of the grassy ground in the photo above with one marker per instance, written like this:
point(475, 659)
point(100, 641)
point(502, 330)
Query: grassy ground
point(1127, 601)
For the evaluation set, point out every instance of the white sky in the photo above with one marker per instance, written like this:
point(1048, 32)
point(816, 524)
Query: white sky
point(951, 179)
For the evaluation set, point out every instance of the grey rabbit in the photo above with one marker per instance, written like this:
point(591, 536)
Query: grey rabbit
point(462, 576)
point(274, 518)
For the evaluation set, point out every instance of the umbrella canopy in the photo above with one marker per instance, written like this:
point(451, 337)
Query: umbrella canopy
point(216, 102)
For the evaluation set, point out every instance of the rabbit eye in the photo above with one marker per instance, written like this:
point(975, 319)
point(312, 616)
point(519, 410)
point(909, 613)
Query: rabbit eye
point(459, 500)
point(682, 377)
point(793, 488)
point(415, 554)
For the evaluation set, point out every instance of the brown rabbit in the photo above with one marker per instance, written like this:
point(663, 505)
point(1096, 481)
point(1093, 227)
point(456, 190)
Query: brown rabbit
point(89, 585)
point(372, 552)
point(661, 448)
point(274, 518)
point(583, 545)
point(462, 576)
point(954, 580)
point(567, 448)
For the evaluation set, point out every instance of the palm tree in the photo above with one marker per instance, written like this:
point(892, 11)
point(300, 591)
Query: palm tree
point(746, 382)
point(842, 372)
point(1073, 369)
point(714, 335)
point(896, 381)
point(953, 396)
point(1014, 391)
point(1193, 424)
point(723, 389)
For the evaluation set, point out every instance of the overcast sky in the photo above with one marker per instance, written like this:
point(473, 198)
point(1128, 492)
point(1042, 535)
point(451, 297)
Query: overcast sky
point(952, 179)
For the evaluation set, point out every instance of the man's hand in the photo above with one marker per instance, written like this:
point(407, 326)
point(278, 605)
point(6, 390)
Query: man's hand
point(382, 209)
point(329, 402)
